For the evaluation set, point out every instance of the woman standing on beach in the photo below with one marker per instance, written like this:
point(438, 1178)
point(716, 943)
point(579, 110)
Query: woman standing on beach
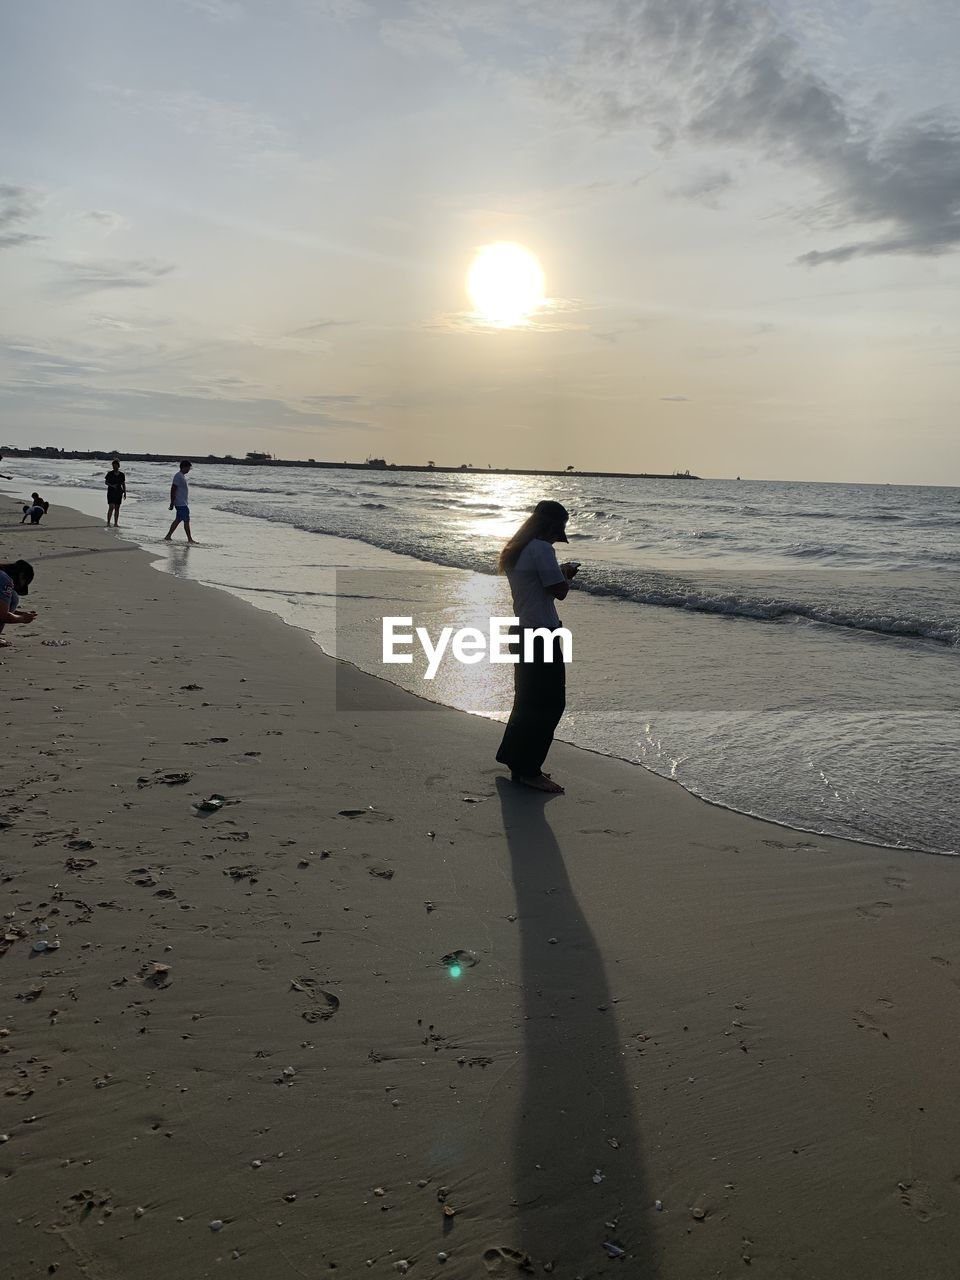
point(537, 582)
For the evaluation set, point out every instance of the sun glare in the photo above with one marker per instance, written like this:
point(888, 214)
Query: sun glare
point(505, 284)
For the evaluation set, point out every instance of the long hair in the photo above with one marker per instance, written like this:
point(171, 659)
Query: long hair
point(21, 571)
point(545, 518)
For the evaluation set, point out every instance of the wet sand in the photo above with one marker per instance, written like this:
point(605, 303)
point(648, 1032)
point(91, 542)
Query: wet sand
point(249, 1021)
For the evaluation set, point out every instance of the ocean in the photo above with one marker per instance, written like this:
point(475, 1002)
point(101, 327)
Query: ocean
point(785, 649)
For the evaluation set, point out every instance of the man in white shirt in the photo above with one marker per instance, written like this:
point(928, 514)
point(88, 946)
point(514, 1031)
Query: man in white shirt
point(180, 502)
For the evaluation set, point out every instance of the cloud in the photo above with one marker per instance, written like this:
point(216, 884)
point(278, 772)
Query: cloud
point(105, 219)
point(185, 409)
point(127, 324)
point(717, 74)
point(537, 322)
point(40, 366)
point(318, 402)
point(409, 36)
point(737, 79)
point(228, 124)
point(678, 399)
point(239, 134)
point(84, 382)
point(18, 205)
point(909, 178)
point(318, 326)
point(91, 276)
point(218, 10)
point(308, 339)
point(704, 186)
point(338, 10)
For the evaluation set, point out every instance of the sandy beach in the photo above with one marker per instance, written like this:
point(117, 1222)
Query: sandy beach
point(683, 1043)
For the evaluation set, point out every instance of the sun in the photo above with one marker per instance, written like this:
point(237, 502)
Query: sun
point(505, 284)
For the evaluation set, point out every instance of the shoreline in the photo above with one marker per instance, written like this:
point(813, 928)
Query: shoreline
point(711, 1013)
point(865, 841)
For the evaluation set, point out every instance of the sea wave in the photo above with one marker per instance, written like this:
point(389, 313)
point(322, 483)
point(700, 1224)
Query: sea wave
point(816, 550)
point(749, 597)
point(756, 605)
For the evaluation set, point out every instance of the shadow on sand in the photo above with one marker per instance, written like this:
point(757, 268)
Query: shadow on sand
point(43, 556)
point(577, 1108)
point(55, 528)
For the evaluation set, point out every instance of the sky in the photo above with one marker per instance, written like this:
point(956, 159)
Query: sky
point(234, 225)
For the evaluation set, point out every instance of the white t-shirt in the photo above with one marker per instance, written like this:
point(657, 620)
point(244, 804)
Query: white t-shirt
point(536, 570)
point(181, 490)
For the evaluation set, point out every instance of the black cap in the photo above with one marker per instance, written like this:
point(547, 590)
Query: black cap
point(22, 575)
point(550, 510)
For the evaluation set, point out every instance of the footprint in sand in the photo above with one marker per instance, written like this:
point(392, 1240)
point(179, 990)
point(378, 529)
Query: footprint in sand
point(867, 1021)
point(806, 845)
point(940, 960)
point(895, 881)
point(874, 910)
point(918, 1198)
point(367, 815)
point(501, 1260)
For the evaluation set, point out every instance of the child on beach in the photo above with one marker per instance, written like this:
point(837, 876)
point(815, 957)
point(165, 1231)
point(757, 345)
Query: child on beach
point(537, 582)
point(36, 509)
point(15, 581)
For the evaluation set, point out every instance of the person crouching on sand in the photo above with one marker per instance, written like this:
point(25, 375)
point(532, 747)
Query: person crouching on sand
point(537, 582)
point(36, 509)
point(15, 581)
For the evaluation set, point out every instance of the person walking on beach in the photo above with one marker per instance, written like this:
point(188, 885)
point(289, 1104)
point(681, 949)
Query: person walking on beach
point(116, 483)
point(180, 500)
point(35, 509)
point(15, 581)
point(537, 582)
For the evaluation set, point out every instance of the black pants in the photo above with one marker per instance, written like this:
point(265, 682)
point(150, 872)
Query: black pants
point(539, 699)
